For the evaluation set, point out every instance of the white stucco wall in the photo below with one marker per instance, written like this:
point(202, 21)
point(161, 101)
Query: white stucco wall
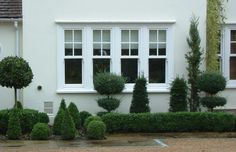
point(40, 41)
point(8, 47)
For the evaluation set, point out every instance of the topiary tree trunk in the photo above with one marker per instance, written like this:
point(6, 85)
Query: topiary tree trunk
point(193, 58)
point(140, 101)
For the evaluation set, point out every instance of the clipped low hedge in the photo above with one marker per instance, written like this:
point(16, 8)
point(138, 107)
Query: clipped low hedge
point(169, 122)
point(40, 131)
point(4, 117)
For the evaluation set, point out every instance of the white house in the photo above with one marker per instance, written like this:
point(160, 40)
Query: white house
point(67, 41)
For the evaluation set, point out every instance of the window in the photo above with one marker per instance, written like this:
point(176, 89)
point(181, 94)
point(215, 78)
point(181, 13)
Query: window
point(233, 55)
point(130, 50)
point(129, 54)
point(101, 51)
point(73, 56)
point(157, 56)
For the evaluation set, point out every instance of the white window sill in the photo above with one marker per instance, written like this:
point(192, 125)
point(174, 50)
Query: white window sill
point(231, 84)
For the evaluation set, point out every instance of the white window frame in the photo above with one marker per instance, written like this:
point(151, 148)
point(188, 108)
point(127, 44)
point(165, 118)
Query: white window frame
point(115, 54)
point(226, 54)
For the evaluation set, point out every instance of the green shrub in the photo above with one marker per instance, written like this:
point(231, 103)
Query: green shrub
point(83, 116)
point(43, 118)
point(101, 113)
point(62, 104)
point(40, 131)
point(28, 118)
point(108, 104)
point(91, 118)
point(96, 130)
point(68, 127)
point(58, 122)
point(14, 128)
point(140, 101)
point(178, 95)
point(212, 102)
point(212, 83)
point(3, 121)
point(108, 83)
point(74, 112)
point(18, 105)
point(168, 122)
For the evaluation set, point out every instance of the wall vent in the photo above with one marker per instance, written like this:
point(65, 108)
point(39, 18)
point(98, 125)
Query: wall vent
point(48, 107)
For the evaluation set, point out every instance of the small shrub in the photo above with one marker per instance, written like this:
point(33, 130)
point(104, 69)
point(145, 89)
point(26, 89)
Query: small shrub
point(28, 118)
point(96, 130)
point(212, 83)
point(108, 104)
point(18, 105)
point(83, 116)
point(4, 117)
point(74, 112)
point(108, 83)
point(68, 127)
point(91, 118)
point(58, 122)
point(14, 128)
point(212, 102)
point(140, 101)
point(178, 95)
point(43, 118)
point(62, 104)
point(40, 131)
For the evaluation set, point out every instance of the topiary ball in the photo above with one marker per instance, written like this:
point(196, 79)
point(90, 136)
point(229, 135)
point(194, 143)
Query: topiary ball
point(40, 131)
point(108, 104)
point(43, 117)
point(212, 102)
point(91, 118)
point(108, 83)
point(211, 82)
point(96, 130)
point(83, 116)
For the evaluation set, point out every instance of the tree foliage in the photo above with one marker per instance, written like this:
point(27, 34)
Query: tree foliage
point(74, 112)
point(193, 58)
point(68, 130)
point(14, 128)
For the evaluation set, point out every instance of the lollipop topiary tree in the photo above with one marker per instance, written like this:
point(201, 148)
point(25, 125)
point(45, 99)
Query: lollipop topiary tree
point(108, 84)
point(212, 83)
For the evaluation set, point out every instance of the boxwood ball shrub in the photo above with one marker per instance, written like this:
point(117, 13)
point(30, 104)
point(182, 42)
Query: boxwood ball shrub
point(58, 122)
point(96, 130)
point(212, 83)
point(178, 95)
point(169, 122)
point(91, 118)
point(40, 131)
point(83, 116)
point(74, 112)
point(109, 104)
point(43, 117)
point(28, 118)
point(68, 130)
point(14, 128)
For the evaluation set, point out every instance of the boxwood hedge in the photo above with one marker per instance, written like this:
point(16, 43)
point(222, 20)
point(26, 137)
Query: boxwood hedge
point(169, 122)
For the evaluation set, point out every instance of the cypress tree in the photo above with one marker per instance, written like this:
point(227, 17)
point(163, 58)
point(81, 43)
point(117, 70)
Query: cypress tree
point(74, 112)
point(63, 104)
point(140, 101)
point(68, 127)
point(193, 58)
point(58, 122)
point(14, 128)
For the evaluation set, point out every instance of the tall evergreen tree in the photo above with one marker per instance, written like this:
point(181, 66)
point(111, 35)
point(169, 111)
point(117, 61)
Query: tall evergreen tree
point(140, 101)
point(62, 104)
point(68, 129)
point(193, 58)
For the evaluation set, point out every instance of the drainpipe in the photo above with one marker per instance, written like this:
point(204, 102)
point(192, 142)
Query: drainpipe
point(16, 38)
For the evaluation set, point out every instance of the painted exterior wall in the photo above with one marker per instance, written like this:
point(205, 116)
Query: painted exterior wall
point(40, 42)
point(8, 47)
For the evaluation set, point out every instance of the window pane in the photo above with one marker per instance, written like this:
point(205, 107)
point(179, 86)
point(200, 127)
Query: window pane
point(162, 49)
point(78, 36)
point(96, 49)
point(233, 35)
point(73, 71)
point(134, 35)
point(97, 36)
point(106, 49)
point(129, 69)
point(106, 36)
point(162, 36)
point(153, 36)
point(101, 65)
point(78, 49)
point(125, 36)
point(68, 49)
point(233, 68)
point(157, 70)
point(125, 49)
point(233, 48)
point(134, 49)
point(152, 49)
point(68, 36)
